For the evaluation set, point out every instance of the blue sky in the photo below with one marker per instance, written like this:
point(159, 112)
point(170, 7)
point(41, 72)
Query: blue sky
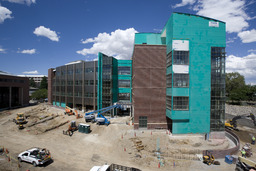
point(36, 35)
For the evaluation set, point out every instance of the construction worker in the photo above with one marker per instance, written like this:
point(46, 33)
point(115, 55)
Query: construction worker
point(243, 153)
point(253, 140)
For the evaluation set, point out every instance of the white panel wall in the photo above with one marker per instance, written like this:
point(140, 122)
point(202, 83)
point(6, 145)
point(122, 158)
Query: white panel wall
point(180, 69)
point(181, 45)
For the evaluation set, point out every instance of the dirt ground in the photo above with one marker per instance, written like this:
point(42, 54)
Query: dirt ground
point(117, 143)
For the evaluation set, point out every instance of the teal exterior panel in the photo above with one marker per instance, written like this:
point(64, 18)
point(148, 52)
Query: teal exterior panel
point(168, 91)
point(63, 104)
point(115, 77)
point(115, 81)
point(178, 115)
point(149, 38)
point(126, 63)
point(169, 70)
point(201, 37)
point(180, 91)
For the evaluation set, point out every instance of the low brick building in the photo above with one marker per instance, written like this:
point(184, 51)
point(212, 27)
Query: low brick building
point(14, 91)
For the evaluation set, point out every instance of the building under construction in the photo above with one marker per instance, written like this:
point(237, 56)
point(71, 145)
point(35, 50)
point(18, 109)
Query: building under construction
point(176, 79)
point(179, 76)
point(91, 85)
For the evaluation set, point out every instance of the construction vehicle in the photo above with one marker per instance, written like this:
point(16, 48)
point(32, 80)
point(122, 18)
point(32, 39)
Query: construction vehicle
point(68, 111)
point(100, 119)
point(71, 129)
point(21, 126)
point(244, 164)
point(20, 119)
point(209, 159)
point(232, 123)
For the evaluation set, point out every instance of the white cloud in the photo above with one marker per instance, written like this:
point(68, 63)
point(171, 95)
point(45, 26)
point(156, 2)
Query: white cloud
point(46, 32)
point(28, 2)
point(230, 11)
point(244, 65)
point(252, 50)
point(231, 40)
point(4, 14)
point(184, 3)
point(31, 72)
point(90, 40)
point(248, 36)
point(28, 51)
point(118, 44)
point(2, 50)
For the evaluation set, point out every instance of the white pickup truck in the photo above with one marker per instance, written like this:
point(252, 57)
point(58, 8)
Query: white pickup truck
point(36, 156)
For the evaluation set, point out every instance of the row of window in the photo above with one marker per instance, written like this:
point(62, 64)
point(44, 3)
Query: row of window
point(121, 96)
point(124, 83)
point(178, 57)
point(11, 80)
point(179, 103)
point(77, 83)
point(122, 70)
point(179, 80)
point(77, 94)
point(77, 71)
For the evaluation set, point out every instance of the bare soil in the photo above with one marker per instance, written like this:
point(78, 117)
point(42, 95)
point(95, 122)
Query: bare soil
point(117, 143)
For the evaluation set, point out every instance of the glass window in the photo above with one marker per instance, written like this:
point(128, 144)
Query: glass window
point(124, 83)
point(70, 72)
point(143, 121)
point(91, 82)
point(124, 70)
point(169, 102)
point(169, 80)
point(88, 95)
point(180, 80)
point(124, 96)
point(181, 57)
point(86, 82)
point(180, 103)
point(78, 70)
point(70, 83)
point(169, 59)
point(217, 89)
point(87, 70)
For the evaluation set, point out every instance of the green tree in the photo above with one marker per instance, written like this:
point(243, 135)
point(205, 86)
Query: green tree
point(251, 92)
point(236, 88)
point(44, 84)
point(32, 83)
point(39, 94)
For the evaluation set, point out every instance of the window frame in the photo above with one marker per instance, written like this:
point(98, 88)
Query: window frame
point(180, 99)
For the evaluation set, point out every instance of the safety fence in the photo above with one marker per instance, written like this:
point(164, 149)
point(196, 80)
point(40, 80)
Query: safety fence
point(12, 162)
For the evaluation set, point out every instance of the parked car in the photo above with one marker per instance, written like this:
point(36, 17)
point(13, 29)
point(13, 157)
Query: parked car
point(36, 156)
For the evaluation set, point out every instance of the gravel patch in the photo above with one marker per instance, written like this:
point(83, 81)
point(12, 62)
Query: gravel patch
point(239, 110)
